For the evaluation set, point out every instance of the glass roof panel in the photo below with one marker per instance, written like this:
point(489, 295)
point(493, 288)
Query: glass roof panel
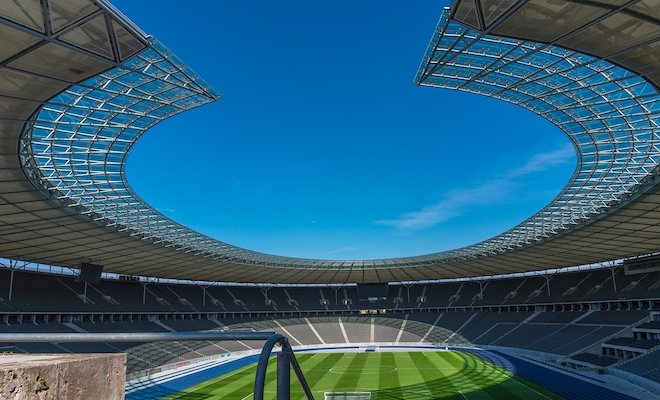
point(650, 8)
point(595, 102)
point(24, 12)
point(558, 17)
point(14, 41)
point(615, 33)
point(127, 43)
point(72, 66)
point(92, 36)
point(492, 9)
point(467, 13)
point(14, 108)
point(24, 85)
point(645, 59)
point(64, 12)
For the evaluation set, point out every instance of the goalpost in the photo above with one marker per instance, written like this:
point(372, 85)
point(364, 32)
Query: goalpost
point(347, 396)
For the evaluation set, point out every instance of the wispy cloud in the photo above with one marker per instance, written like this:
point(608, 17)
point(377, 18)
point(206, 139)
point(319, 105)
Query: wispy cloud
point(456, 201)
point(347, 249)
point(543, 161)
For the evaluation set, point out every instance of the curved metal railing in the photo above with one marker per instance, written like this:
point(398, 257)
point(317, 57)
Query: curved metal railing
point(286, 360)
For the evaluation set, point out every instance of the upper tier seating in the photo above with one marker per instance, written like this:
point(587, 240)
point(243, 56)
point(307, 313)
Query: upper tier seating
point(41, 292)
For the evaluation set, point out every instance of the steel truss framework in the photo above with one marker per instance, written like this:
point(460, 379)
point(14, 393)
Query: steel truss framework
point(610, 114)
point(74, 145)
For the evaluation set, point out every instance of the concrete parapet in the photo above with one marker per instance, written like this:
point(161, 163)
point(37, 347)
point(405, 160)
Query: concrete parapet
point(62, 377)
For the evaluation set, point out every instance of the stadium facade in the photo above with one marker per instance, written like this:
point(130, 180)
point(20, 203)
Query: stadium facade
point(82, 84)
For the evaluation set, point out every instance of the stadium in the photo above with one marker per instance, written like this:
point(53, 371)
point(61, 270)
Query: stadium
point(564, 305)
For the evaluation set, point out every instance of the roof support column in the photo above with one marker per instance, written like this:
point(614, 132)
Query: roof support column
point(11, 282)
point(204, 295)
point(13, 267)
point(144, 293)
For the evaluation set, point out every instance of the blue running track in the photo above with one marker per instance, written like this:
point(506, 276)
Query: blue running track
point(563, 384)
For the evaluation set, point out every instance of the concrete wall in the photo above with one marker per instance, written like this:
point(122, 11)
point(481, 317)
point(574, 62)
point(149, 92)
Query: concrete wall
point(62, 377)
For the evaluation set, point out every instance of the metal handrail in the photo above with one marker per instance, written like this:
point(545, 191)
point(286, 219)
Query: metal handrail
point(130, 337)
point(286, 358)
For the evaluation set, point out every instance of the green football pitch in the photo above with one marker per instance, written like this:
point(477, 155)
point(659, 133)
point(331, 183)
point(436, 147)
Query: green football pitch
point(387, 376)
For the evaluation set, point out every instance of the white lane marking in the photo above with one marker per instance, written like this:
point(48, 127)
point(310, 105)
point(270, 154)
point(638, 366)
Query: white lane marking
point(287, 332)
point(314, 330)
point(343, 331)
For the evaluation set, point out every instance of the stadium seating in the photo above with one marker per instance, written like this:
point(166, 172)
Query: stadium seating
point(42, 292)
point(647, 366)
point(570, 321)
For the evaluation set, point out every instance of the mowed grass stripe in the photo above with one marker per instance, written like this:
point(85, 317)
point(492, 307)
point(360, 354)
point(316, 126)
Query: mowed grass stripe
point(418, 376)
point(321, 379)
point(241, 386)
point(247, 389)
point(389, 384)
point(387, 380)
point(316, 368)
point(371, 372)
point(350, 378)
point(308, 362)
point(435, 379)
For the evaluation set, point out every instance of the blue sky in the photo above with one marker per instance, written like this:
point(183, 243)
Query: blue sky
point(322, 146)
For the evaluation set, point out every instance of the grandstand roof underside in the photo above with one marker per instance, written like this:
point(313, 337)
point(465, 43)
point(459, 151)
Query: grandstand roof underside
point(79, 84)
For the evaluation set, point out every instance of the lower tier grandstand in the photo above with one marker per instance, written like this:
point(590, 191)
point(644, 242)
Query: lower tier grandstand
point(628, 340)
point(614, 327)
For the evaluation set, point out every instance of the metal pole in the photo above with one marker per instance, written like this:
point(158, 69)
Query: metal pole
point(11, 284)
point(547, 284)
point(85, 294)
point(613, 278)
point(283, 374)
point(301, 377)
point(262, 365)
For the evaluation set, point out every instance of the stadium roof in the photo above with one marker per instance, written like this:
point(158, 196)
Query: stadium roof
point(80, 84)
